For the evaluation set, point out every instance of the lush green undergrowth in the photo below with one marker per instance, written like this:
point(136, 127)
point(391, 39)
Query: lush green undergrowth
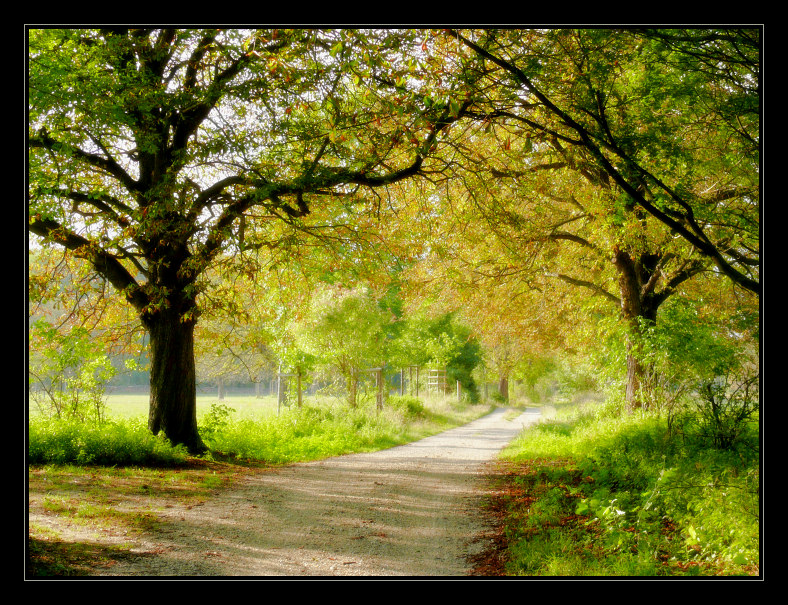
point(119, 442)
point(315, 430)
point(594, 493)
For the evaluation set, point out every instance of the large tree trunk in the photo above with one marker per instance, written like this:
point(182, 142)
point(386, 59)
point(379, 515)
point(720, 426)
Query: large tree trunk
point(636, 305)
point(173, 394)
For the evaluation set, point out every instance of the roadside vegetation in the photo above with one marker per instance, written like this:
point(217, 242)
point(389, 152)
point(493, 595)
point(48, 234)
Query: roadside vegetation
point(318, 429)
point(597, 491)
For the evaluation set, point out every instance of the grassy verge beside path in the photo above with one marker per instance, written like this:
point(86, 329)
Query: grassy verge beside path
point(594, 493)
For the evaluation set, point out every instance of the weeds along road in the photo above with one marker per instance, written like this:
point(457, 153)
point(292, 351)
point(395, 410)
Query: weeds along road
point(412, 510)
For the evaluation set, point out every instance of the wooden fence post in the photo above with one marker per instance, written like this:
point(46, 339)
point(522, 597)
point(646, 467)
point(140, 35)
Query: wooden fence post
point(379, 375)
point(280, 394)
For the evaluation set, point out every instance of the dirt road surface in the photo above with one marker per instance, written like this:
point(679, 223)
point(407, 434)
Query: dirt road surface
point(412, 510)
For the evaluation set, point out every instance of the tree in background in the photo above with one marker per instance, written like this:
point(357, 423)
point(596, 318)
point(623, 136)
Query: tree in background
point(344, 330)
point(432, 338)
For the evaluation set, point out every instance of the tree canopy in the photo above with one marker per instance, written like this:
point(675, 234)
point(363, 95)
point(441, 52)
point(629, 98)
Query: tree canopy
point(671, 118)
point(621, 162)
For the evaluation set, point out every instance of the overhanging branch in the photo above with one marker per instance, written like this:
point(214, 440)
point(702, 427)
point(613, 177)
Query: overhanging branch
point(104, 263)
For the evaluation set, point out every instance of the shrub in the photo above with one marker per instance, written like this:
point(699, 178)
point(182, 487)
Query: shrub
point(67, 373)
point(124, 443)
point(215, 421)
point(725, 408)
point(498, 397)
point(411, 407)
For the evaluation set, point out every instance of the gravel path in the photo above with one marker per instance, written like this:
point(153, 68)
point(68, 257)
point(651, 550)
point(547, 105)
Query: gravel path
point(412, 510)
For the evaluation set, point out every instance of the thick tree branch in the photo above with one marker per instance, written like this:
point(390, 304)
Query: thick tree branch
point(103, 262)
point(565, 235)
point(112, 168)
point(693, 235)
point(596, 289)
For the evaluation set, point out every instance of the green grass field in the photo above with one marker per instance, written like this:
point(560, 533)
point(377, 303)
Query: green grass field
point(245, 406)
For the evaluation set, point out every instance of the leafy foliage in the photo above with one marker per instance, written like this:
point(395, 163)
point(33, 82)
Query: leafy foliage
point(67, 373)
point(344, 330)
point(125, 443)
point(630, 108)
point(442, 341)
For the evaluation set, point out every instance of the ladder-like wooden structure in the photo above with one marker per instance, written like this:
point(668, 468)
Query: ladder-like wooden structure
point(436, 381)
